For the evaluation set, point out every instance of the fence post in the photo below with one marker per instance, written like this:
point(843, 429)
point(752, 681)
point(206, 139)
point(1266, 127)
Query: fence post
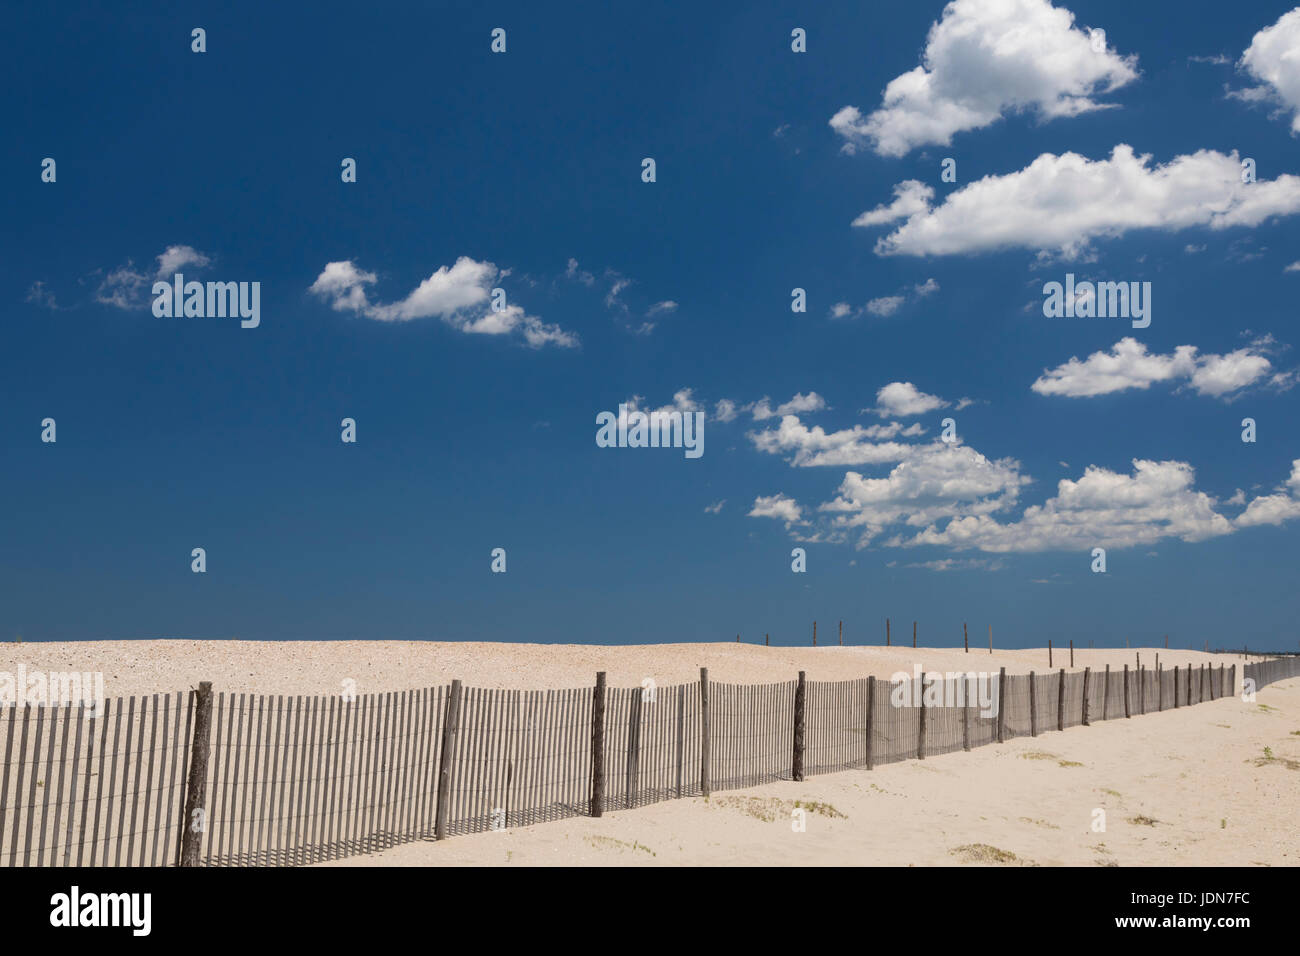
point(800, 698)
point(450, 726)
point(886, 632)
point(1049, 653)
point(965, 638)
point(841, 633)
point(914, 634)
point(1060, 702)
point(1105, 696)
point(681, 735)
point(634, 749)
point(1126, 694)
point(1142, 691)
point(1160, 686)
point(920, 735)
point(1175, 687)
point(1071, 653)
point(814, 633)
point(704, 731)
point(1002, 699)
point(1033, 705)
point(990, 638)
point(197, 784)
point(965, 712)
point(1232, 679)
point(1087, 673)
point(871, 710)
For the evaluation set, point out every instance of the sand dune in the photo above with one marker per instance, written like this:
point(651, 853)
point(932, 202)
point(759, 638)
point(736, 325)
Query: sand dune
point(318, 667)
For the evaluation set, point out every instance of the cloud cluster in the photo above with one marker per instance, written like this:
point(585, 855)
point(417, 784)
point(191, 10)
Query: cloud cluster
point(1059, 204)
point(458, 295)
point(1129, 365)
point(981, 61)
point(1102, 509)
point(933, 481)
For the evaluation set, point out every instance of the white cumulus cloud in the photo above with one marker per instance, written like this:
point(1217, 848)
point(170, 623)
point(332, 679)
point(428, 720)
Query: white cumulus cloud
point(1273, 58)
point(458, 295)
point(982, 60)
point(1129, 365)
point(1059, 204)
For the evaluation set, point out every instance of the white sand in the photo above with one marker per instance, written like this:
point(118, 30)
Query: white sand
point(319, 667)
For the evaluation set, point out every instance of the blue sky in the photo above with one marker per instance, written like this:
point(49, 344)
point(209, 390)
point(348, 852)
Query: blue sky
point(522, 171)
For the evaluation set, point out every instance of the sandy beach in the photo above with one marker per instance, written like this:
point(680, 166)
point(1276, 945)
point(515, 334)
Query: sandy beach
point(319, 667)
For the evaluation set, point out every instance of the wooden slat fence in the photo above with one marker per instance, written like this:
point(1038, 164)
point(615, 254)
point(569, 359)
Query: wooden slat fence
point(292, 780)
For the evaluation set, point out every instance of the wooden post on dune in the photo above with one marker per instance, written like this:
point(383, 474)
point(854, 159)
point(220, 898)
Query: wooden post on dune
point(1105, 696)
point(767, 640)
point(814, 633)
point(1126, 694)
point(1071, 653)
point(800, 701)
point(1033, 705)
point(965, 712)
point(1049, 652)
point(704, 731)
point(990, 638)
point(598, 746)
point(871, 710)
point(886, 632)
point(1087, 674)
point(920, 734)
point(841, 633)
point(1002, 699)
point(1175, 687)
point(965, 638)
point(1160, 686)
point(197, 783)
point(1060, 702)
point(450, 727)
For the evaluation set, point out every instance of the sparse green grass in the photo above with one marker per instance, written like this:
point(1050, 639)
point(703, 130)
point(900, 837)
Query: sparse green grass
point(1070, 763)
point(1113, 793)
point(771, 809)
point(1039, 823)
point(1038, 755)
point(983, 853)
point(1270, 758)
point(1142, 821)
point(821, 809)
point(611, 843)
